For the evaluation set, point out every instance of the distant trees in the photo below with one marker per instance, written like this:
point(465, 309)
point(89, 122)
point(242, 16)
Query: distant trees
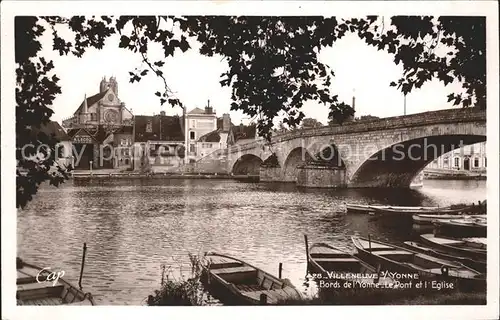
point(310, 123)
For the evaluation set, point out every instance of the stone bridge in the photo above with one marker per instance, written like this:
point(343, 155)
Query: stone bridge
point(386, 152)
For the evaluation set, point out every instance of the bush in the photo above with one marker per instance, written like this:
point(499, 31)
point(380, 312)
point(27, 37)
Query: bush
point(180, 292)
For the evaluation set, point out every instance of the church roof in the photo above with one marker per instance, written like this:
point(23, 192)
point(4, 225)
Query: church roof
point(91, 100)
point(164, 128)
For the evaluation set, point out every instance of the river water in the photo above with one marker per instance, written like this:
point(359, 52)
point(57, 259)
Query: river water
point(132, 227)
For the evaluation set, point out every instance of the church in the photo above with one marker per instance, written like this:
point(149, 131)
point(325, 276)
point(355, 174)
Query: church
point(101, 130)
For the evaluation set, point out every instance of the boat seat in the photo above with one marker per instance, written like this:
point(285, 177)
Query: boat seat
point(319, 260)
point(393, 252)
point(242, 269)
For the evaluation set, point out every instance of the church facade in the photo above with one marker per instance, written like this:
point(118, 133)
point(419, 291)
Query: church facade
point(101, 130)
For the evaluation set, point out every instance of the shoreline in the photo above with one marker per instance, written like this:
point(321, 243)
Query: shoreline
point(159, 175)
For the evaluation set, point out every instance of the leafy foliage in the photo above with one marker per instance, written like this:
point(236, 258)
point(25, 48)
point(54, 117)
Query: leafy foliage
point(35, 92)
point(180, 292)
point(311, 123)
point(272, 62)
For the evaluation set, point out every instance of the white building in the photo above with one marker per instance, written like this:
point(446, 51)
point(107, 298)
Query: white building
point(470, 158)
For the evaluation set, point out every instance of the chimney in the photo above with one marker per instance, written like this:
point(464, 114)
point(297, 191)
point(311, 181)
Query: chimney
point(226, 122)
point(162, 113)
point(208, 108)
point(85, 107)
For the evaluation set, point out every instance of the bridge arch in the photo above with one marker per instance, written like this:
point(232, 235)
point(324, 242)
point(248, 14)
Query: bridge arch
point(330, 154)
point(398, 164)
point(296, 157)
point(247, 164)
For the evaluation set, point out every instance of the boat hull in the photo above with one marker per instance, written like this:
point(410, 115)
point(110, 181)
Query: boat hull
point(464, 284)
point(235, 282)
point(428, 219)
point(460, 229)
point(472, 263)
point(433, 241)
point(33, 289)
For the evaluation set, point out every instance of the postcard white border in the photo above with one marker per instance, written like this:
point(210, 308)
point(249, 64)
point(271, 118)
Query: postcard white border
point(339, 8)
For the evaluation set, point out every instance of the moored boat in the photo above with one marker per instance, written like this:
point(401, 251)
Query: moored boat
point(236, 282)
point(468, 248)
point(423, 218)
point(331, 264)
point(461, 227)
point(405, 261)
point(419, 210)
point(472, 263)
point(35, 287)
point(359, 208)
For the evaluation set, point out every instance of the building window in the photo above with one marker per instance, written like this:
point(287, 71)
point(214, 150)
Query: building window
point(193, 123)
point(457, 162)
point(476, 162)
point(149, 126)
point(485, 162)
point(192, 135)
point(192, 147)
point(93, 116)
point(446, 163)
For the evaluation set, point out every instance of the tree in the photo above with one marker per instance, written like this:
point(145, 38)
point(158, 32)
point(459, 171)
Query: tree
point(366, 118)
point(273, 63)
point(311, 123)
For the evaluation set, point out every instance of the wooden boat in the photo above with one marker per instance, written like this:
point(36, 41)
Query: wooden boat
point(421, 210)
point(407, 262)
point(463, 247)
point(422, 218)
point(236, 282)
point(33, 292)
point(461, 227)
point(472, 263)
point(358, 208)
point(329, 263)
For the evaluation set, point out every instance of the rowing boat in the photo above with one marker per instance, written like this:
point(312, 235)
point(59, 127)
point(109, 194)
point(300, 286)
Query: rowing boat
point(335, 265)
point(405, 261)
point(461, 227)
point(463, 247)
point(236, 282)
point(358, 208)
point(35, 288)
point(472, 263)
point(430, 218)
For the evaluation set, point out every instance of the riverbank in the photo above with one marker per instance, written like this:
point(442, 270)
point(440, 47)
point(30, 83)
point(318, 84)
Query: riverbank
point(159, 175)
point(447, 174)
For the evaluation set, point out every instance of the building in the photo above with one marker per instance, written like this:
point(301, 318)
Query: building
point(158, 143)
point(101, 129)
point(242, 134)
point(468, 158)
point(200, 123)
point(63, 148)
point(216, 139)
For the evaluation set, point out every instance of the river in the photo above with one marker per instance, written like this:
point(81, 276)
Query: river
point(132, 227)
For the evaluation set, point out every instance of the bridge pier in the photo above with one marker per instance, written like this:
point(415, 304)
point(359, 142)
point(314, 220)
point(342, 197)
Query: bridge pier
point(319, 175)
point(270, 174)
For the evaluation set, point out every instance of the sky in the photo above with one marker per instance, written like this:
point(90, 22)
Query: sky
point(360, 70)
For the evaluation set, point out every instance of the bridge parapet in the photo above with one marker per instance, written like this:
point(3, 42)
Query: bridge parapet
point(413, 120)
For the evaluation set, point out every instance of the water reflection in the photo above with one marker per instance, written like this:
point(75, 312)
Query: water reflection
point(133, 226)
